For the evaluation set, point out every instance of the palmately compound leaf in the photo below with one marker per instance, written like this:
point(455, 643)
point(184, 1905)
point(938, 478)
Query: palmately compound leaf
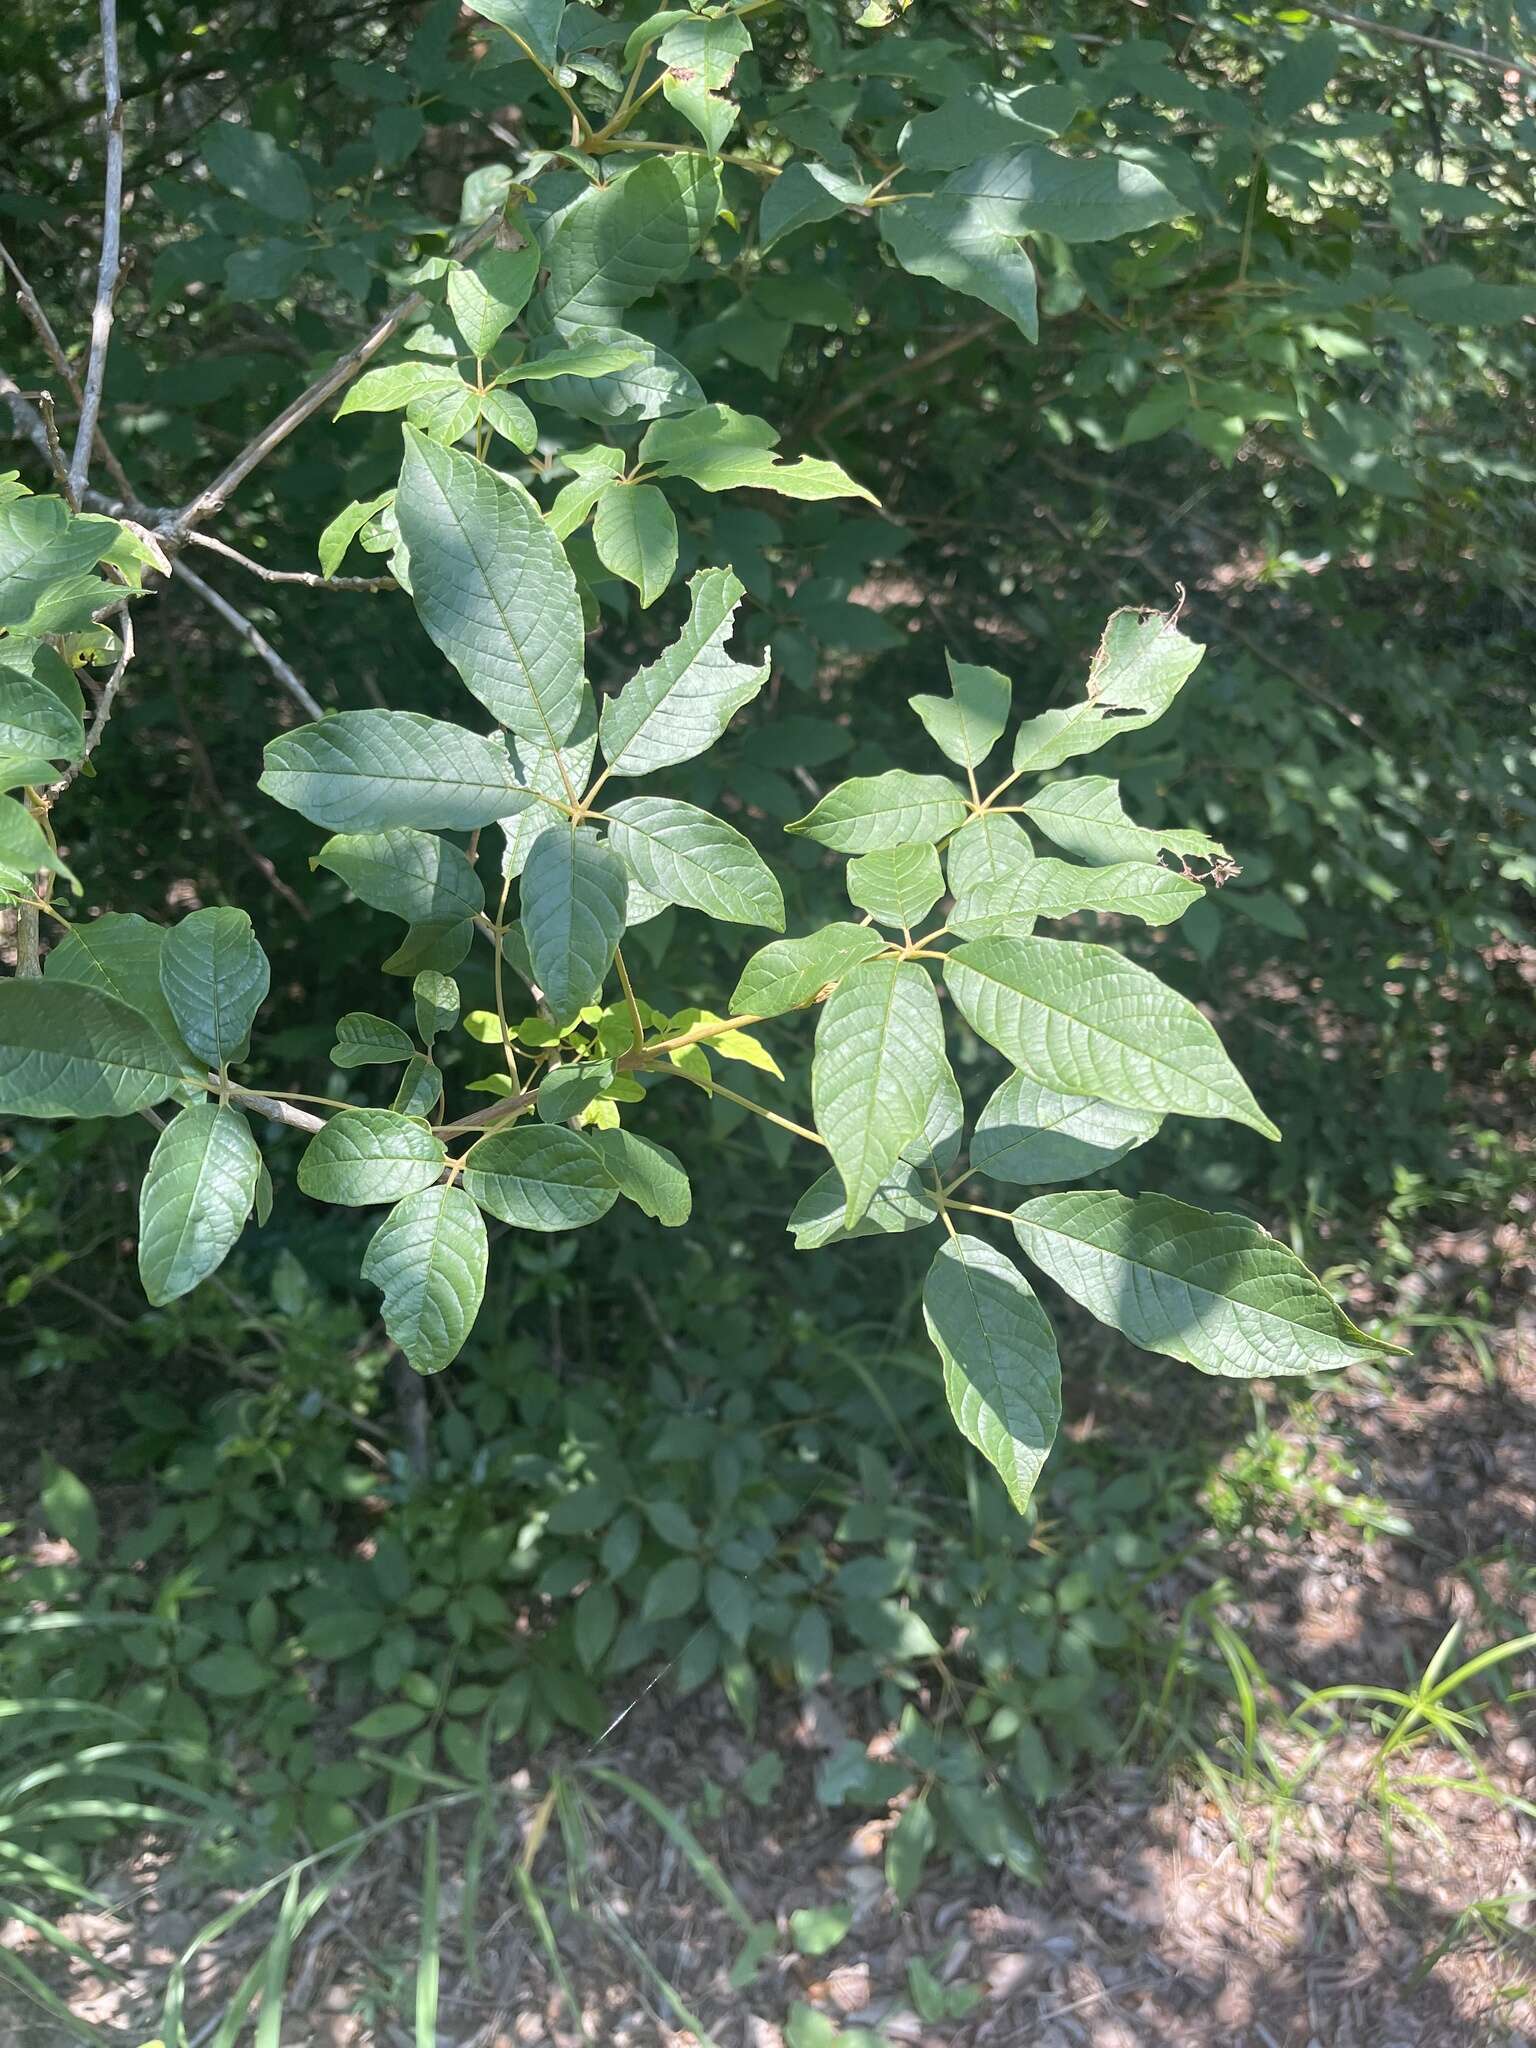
point(370, 1155)
point(875, 811)
point(635, 534)
point(1083, 1020)
point(1085, 817)
point(621, 240)
point(215, 977)
point(900, 1203)
point(878, 1063)
point(789, 973)
point(646, 1173)
point(371, 771)
point(1215, 1292)
point(428, 1258)
point(195, 1198)
point(540, 1177)
point(897, 886)
point(967, 724)
point(70, 1050)
point(366, 1041)
point(685, 856)
point(119, 954)
point(1142, 663)
point(414, 875)
point(493, 589)
point(1034, 1136)
point(572, 896)
point(682, 703)
point(1001, 1371)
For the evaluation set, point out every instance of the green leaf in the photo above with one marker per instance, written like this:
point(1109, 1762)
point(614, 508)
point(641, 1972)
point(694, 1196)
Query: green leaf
point(1131, 888)
point(258, 169)
point(46, 552)
point(371, 771)
point(620, 241)
point(789, 973)
point(428, 1260)
point(409, 874)
point(1084, 1021)
point(635, 536)
point(565, 1091)
point(594, 1618)
point(968, 240)
point(1084, 816)
point(1001, 1372)
point(534, 23)
point(349, 522)
point(486, 297)
point(437, 1004)
point(1301, 76)
point(899, 1203)
point(435, 948)
point(231, 1673)
point(817, 1929)
point(1142, 663)
point(196, 1196)
point(879, 1060)
point(720, 449)
point(897, 886)
point(493, 589)
point(984, 118)
point(590, 352)
point(967, 725)
point(647, 1173)
point(68, 1509)
point(420, 1090)
point(875, 811)
point(1034, 1135)
point(433, 396)
point(37, 730)
point(215, 977)
point(70, 1050)
point(506, 414)
point(573, 894)
point(364, 1041)
point(649, 384)
point(683, 702)
point(1215, 1292)
point(24, 848)
point(560, 773)
point(673, 1590)
point(908, 1847)
point(540, 1177)
point(802, 194)
point(120, 954)
point(685, 856)
point(370, 1155)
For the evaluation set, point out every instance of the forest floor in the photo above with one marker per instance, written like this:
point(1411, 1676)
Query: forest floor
point(1270, 1889)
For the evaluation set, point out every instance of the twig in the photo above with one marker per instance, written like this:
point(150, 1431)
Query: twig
point(275, 1112)
point(32, 306)
point(255, 640)
point(212, 496)
point(105, 702)
point(307, 577)
point(1488, 60)
point(29, 421)
point(107, 273)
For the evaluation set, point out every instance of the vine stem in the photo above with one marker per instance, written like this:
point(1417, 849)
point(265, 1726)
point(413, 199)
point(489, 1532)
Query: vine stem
point(633, 1007)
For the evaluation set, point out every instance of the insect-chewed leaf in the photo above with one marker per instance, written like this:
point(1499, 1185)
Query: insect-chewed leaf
point(898, 886)
point(573, 894)
point(195, 1198)
point(647, 1173)
point(370, 771)
point(1034, 1135)
point(789, 973)
point(967, 724)
point(879, 1062)
point(683, 855)
point(493, 589)
point(1083, 1020)
point(1142, 663)
point(899, 1203)
point(1216, 1292)
point(70, 1050)
point(1085, 817)
point(215, 977)
point(682, 703)
point(365, 1041)
point(428, 1260)
point(409, 874)
point(540, 1177)
point(875, 811)
point(1001, 1371)
point(370, 1155)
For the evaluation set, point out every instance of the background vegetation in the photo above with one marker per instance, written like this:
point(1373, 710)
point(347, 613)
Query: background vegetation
point(264, 1591)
